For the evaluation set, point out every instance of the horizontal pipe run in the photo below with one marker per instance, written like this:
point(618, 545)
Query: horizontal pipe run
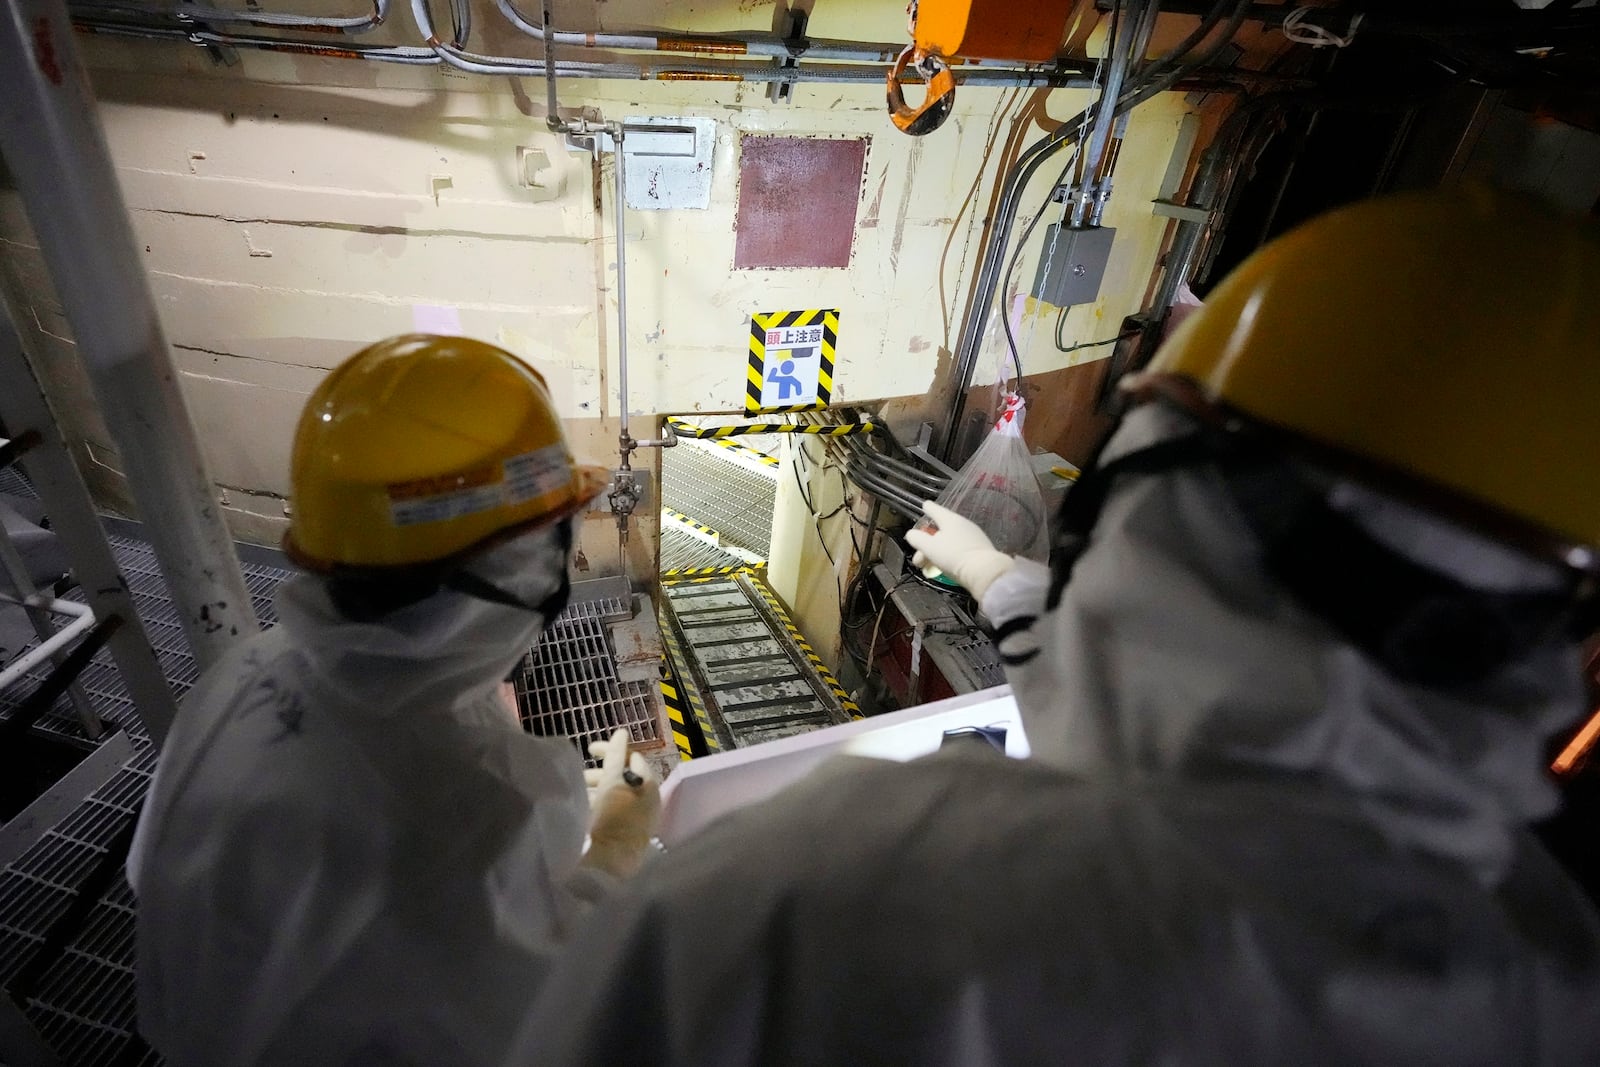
point(193, 13)
point(511, 66)
point(893, 468)
point(716, 44)
point(904, 502)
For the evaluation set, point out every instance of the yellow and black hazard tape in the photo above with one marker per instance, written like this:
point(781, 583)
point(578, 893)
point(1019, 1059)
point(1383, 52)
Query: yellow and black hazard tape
point(827, 322)
point(821, 668)
point(753, 454)
point(717, 433)
point(699, 527)
point(701, 579)
point(676, 712)
point(697, 724)
point(705, 572)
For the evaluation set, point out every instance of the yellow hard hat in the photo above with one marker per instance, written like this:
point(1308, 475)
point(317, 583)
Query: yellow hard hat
point(420, 448)
point(1448, 342)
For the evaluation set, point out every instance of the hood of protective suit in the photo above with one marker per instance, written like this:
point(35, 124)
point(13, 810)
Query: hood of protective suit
point(1173, 651)
point(449, 650)
point(351, 853)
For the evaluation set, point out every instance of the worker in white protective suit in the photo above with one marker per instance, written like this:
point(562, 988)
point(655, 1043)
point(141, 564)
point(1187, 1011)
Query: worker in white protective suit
point(352, 852)
point(1312, 618)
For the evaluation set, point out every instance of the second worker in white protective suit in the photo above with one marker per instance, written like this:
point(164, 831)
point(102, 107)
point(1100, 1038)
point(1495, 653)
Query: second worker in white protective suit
point(1314, 613)
point(352, 852)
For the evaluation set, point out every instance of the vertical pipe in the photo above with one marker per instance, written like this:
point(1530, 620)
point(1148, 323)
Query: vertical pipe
point(553, 118)
point(1129, 20)
point(52, 141)
point(622, 285)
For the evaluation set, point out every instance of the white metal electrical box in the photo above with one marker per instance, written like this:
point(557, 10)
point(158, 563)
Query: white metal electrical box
point(669, 163)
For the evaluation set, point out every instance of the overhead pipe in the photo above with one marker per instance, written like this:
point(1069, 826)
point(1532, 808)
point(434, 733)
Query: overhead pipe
point(474, 63)
point(193, 13)
point(422, 57)
point(724, 44)
point(52, 141)
point(1056, 77)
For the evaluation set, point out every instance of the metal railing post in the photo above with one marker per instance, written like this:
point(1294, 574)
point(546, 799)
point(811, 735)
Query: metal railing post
point(54, 146)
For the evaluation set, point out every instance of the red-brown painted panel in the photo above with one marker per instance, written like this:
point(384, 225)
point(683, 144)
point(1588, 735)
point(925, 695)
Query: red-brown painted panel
point(797, 201)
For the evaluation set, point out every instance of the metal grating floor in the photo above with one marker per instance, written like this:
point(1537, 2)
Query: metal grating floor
point(83, 1001)
point(745, 667)
point(682, 551)
point(567, 686)
point(733, 499)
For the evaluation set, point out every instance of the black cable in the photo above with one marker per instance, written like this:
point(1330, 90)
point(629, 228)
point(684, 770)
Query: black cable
point(1016, 257)
point(1061, 346)
point(795, 467)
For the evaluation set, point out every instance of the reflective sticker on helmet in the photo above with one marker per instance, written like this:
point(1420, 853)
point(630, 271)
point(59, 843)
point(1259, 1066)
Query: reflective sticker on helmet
point(544, 470)
point(516, 480)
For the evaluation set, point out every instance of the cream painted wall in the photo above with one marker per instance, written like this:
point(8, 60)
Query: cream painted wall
point(293, 209)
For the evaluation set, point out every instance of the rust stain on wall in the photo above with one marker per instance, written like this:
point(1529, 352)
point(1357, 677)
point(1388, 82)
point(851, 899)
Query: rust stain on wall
point(797, 201)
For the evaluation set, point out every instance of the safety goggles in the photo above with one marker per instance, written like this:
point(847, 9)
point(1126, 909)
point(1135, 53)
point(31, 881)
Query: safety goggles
point(1423, 625)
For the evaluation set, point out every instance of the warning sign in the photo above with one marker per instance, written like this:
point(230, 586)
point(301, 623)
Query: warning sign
point(791, 360)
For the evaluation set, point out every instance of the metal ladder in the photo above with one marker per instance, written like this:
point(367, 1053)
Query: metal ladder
point(105, 618)
point(749, 674)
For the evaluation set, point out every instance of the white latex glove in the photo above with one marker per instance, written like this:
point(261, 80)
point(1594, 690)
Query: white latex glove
point(625, 802)
point(960, 548)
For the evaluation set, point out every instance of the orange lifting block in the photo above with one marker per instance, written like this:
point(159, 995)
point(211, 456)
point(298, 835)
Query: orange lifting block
point(1021, 30)
point(1025, 30)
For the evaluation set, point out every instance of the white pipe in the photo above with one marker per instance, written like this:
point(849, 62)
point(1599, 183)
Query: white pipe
point(40, 602)
point(622, 283)
point(651, 42)
point(82, 622)
point(192, 13)
point(56, 150)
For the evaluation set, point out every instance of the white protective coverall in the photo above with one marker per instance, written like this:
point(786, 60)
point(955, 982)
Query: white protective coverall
point(1239, 842)
point(352, 854)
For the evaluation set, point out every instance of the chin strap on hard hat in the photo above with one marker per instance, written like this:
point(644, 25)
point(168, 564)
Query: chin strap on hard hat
point(936, 105)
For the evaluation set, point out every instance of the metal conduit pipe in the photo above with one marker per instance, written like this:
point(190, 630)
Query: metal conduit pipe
point(1219, 158)
point(194, 13)
point(911, 477)
point(511, 66)
point(53, 143)
point(473, 63)
point(1208, 22)
point(894, 470)
point(952, 394)
point(1129, 18)
point(905, 503)
point(422, 57)
point(461, 19)
point(886, 480)
point(728, 44)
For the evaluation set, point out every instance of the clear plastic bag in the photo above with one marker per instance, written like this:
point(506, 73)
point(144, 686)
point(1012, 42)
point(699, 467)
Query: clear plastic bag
point(997, 489)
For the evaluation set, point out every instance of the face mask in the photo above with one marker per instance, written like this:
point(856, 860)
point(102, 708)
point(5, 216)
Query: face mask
point(521, 579)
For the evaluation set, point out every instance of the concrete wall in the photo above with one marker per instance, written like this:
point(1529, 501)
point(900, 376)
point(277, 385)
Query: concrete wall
point(293, 209)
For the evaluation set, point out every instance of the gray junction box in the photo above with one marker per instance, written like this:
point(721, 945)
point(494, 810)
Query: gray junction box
point(1072, 264)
